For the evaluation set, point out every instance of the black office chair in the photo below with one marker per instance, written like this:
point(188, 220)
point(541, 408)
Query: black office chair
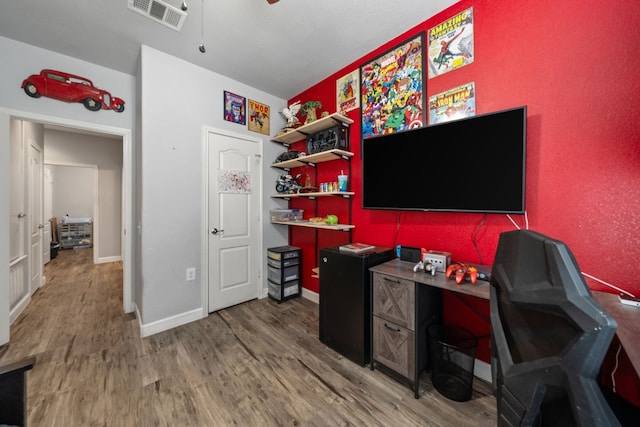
point(548, 336)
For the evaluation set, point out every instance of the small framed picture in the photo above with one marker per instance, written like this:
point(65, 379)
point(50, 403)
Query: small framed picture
point(348, 92)
point(235, 108)
point(259, 117)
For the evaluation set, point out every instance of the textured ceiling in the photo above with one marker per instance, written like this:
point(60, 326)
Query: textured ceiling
point(281, 49)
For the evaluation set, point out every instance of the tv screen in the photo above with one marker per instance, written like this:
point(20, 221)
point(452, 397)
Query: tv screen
point(476, 164)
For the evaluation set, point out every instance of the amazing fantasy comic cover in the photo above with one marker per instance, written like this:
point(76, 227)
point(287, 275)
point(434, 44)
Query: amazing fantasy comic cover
point(453, 104)
point(451, 44)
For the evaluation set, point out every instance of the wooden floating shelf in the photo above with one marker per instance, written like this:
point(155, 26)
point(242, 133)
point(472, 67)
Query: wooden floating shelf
point(323, 156)
point(313, 127)
point(345, 194)
point(336, 227)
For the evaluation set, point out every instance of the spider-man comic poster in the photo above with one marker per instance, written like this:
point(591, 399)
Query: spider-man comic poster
point(451, 44)
point(235, 108)
point(391, 90)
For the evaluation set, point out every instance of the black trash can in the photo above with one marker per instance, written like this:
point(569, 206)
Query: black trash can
point(54, 249)
point(452, 351)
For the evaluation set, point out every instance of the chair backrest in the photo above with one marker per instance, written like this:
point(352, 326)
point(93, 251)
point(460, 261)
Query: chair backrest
point(549, 336)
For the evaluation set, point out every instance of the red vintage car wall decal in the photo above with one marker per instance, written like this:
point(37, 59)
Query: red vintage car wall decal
point(70, 88)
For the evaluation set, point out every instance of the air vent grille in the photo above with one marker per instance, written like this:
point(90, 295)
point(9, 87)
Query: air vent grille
point(160, 12)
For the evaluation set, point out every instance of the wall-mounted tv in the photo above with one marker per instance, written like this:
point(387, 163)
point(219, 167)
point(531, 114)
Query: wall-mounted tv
point(476, 164)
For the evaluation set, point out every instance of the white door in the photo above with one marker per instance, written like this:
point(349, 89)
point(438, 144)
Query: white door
point(233, 223)
point(35, 216)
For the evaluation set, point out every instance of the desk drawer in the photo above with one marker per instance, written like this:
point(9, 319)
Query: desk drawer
point(394, 300)
point(393, 346)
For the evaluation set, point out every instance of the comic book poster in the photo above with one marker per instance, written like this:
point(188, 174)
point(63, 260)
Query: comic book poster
point(391, 90)
point(451, 44)
point(453, 104)
point(347, 92)
point(235, 108)
point(259, 117)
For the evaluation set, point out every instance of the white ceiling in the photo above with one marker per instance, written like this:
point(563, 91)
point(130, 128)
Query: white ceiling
point(281, 49)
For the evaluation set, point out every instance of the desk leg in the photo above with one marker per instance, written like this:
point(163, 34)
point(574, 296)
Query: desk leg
point(371, 320)
point(416, 346)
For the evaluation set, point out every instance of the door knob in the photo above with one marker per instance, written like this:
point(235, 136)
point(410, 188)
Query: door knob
point(216, 231)
point(40, 226)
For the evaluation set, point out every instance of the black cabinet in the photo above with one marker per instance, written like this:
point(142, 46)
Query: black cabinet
point(345, 300)
point(283, 272)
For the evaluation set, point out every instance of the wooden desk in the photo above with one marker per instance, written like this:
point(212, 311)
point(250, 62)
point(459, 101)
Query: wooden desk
point(404, 270)
point(627, 317)
point(402, 311)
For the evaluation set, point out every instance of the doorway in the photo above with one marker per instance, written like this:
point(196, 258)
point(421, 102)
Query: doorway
point(127, 228)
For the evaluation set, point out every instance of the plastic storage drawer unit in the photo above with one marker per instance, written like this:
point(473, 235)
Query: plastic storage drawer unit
point(283, 272)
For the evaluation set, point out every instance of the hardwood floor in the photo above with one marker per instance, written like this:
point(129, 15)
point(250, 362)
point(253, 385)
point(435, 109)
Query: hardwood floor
point(255, 364)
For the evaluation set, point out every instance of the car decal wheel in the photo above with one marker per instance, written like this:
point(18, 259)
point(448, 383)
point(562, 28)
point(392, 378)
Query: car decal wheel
point(120, 108)
point(92, 104)
point(31, 90)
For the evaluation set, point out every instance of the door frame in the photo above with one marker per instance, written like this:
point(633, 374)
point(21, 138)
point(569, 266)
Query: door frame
point(204, 245)
point(128, 229)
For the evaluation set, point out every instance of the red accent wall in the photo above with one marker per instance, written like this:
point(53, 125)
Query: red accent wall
point(576, 67)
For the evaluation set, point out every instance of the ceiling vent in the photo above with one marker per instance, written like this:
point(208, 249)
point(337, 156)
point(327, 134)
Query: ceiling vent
point(160, 12)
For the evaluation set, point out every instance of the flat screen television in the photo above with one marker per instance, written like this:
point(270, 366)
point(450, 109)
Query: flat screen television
point(475, 164)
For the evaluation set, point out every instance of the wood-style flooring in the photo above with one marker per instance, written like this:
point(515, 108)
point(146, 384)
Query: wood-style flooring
point(255, 364)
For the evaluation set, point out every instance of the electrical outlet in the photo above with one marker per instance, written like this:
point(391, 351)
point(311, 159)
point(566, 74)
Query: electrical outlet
point(440, 259)
point(191, 274)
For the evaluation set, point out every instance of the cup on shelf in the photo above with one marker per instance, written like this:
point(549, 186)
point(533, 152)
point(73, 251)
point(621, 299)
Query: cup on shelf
point(342, 182)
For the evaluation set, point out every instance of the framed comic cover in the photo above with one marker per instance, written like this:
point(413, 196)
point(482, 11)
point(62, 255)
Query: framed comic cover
point(456, 103)
point(392, 90)
point(451, 44)
point(259, 117)
point(235, 108)
point(347, 92)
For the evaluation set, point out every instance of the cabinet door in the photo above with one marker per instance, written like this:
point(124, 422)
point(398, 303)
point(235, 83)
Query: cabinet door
point(393, 346)
point(394, 300)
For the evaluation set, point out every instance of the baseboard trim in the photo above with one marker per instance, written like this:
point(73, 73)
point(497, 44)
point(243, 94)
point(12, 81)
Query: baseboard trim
point(482, 370)
point(148, 329)
point(107, 259)
point(19, 308)
point(310, 295)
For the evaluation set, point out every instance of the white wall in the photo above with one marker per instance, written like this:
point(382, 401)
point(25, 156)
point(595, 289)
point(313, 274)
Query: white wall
point(106, 154)
point(4, 229)
point(72, 191)
point(178, 99)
